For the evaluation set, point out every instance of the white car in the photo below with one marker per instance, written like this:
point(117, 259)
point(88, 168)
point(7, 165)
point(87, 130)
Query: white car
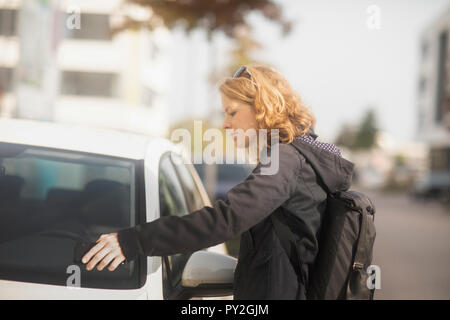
point(61, 185)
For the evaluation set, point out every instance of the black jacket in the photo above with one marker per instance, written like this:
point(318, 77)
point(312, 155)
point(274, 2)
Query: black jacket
point(264, 270)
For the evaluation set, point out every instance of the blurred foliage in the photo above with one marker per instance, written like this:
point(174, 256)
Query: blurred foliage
point(399, 160)
point(189, 125)
point(241, 54)
point(227, 16)
point(346, 137)
point(366, 136)
point(362, 137)
point(211, 15)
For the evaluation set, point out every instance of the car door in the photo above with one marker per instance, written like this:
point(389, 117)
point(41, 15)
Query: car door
point(172, 202)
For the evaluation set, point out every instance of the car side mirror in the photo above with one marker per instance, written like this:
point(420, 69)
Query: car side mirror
point(208, 274)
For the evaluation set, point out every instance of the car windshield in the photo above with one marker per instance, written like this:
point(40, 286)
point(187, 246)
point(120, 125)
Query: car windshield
point(52, 199)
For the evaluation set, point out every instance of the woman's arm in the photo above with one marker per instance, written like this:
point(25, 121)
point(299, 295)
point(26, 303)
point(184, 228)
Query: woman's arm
point(248, 203)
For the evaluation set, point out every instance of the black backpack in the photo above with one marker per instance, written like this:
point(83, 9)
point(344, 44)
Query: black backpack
point(346, 242)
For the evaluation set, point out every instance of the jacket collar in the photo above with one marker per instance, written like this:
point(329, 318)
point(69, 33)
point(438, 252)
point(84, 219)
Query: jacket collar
point(334, 171)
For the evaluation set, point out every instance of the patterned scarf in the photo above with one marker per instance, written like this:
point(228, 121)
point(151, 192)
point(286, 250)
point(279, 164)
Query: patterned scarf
point(311, 139)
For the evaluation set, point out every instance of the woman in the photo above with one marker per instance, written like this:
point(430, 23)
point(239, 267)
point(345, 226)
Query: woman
point(257, 97)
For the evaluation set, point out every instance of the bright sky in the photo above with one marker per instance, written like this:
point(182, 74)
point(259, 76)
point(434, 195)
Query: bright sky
point(339, 66)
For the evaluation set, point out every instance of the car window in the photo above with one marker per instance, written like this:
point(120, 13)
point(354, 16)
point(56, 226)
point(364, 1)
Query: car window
point(172, 202)
point(52, 199)
point(190, 188)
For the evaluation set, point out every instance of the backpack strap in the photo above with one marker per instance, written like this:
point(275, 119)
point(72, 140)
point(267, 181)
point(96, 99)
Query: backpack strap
point(360, 255)
point(288, 242)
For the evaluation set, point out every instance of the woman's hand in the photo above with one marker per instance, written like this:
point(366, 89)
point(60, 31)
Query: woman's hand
point(106, 251)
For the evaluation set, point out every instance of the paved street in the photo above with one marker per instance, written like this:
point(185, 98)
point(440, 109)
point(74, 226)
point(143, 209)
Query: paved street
point(411, 248)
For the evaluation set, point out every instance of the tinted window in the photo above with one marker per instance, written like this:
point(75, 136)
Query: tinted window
point(191, 192)
point(49, 200)
point(172, 202)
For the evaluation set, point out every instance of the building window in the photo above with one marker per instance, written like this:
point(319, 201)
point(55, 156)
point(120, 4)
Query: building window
point(6, 77)
point(92, 27)
point(440, 159)
point(89, 84)
point(443, 93)
point(424, 50)
point(422, 85)
point(8, 18)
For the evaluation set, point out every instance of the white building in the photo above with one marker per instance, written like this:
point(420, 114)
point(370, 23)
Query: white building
point(60, 62)
point(9, 55)
point(434, 93)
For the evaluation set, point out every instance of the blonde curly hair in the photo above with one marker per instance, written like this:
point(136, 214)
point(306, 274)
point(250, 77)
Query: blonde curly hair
point(276, 104)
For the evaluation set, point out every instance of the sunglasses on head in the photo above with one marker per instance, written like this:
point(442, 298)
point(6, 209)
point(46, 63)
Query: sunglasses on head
point(240, 71)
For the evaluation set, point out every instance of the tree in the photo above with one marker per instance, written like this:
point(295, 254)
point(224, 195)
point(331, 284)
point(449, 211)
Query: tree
point(188, 124)
point(212, 15)
point(240, 55)
point(346, 137)
point(366, 136)
point(361, 137)
point(227, 16)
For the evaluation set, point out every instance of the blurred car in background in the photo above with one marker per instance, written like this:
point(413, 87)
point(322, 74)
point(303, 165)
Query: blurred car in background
point(61, 185)
point(433, 186)
point(226, 176)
